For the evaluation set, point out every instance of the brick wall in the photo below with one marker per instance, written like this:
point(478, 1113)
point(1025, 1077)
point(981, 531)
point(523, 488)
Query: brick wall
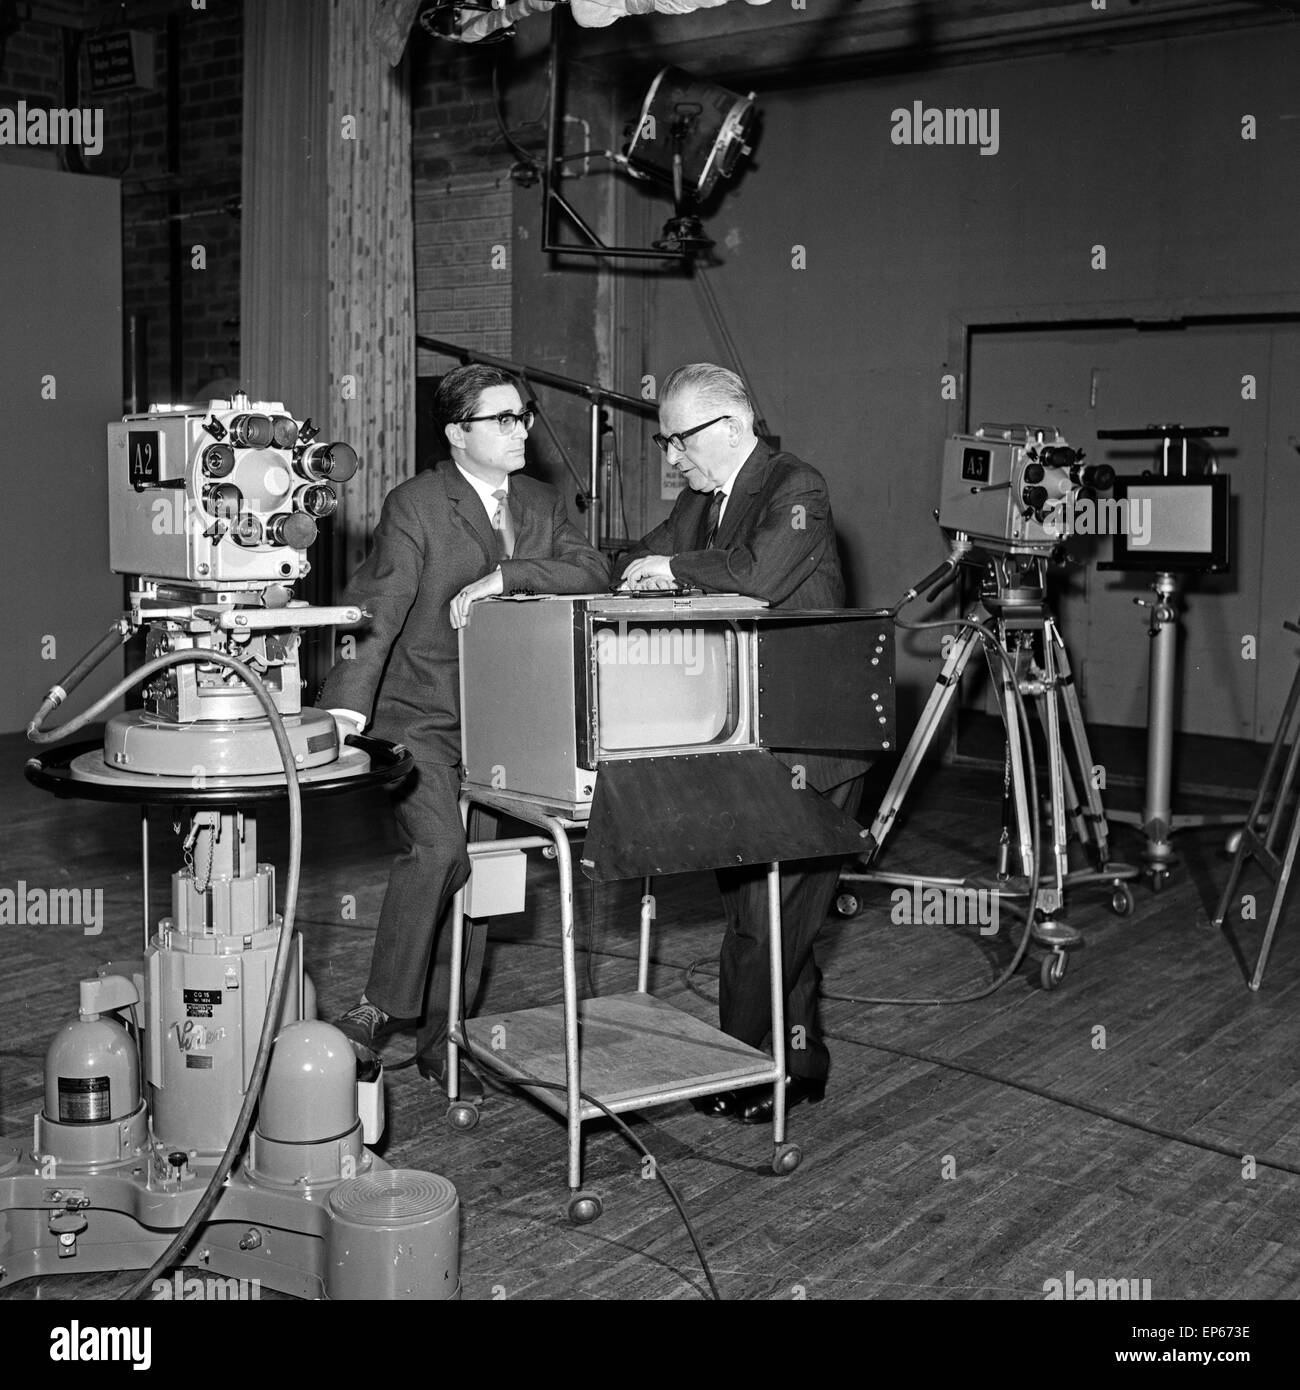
point(464, 242)
point(209, 52)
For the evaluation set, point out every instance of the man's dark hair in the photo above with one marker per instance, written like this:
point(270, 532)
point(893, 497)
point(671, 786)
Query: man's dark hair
point(458, 393)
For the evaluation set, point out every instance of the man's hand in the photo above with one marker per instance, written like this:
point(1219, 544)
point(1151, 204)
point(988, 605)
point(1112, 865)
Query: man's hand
point(487, 587)
point(649, 572)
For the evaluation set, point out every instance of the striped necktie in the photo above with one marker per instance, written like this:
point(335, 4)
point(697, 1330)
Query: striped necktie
point(503, 524)
point(715, 515)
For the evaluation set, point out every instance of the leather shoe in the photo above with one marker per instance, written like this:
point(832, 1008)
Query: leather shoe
point(722, 1105)
point(434, 1068)
point(759, 1107)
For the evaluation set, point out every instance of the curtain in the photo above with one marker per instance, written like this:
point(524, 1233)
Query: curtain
point(326, 306)
point(371, 270)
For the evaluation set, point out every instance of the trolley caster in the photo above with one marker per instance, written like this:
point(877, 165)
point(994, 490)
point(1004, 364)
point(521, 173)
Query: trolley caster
point(786, 1159)
point(1121, 900)
point(1158, 878)
point(1053, 969)
point(847, 904)
point(462, 1115)
point(584, 1208)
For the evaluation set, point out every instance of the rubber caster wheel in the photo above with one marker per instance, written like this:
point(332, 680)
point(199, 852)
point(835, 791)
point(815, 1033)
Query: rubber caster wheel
point(584, 1208)
point(786, 1159)
point(1121, 900)
point(1053, 970)
point(847, 905)
point(462, 1115)
point(1158, 877)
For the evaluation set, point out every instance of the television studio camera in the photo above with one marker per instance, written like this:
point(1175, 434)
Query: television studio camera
point(1011, 497)
point(150, 1092)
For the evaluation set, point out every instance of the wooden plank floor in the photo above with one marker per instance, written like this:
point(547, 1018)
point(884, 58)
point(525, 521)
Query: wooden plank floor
point(972, 1151)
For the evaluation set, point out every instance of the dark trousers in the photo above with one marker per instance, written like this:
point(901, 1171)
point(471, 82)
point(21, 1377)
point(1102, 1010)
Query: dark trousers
point(744, 993)
point(415, 921)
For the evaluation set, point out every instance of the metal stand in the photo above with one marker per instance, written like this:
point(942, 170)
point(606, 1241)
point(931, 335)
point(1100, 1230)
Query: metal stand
point(1017, 604)
point(1157, 820)
point(1284, 819)
point(631, 1050)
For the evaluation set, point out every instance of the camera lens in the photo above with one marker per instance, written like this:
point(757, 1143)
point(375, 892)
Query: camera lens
point(218, 460)
point(223, 499)
point(247, 530)
point(252, 431)
point(1034, 473)
point(1035, 498)
point(337, 462)
point(296, 529)
point(1098, 475)
point(319, 500)
point(285, 431)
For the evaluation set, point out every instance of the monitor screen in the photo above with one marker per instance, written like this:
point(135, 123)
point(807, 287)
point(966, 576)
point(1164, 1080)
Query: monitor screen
point(664, 685)
point(1171, 524)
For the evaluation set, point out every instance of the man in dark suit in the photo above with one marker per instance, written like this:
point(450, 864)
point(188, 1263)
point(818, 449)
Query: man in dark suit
point(466, 530)
point(755, 522)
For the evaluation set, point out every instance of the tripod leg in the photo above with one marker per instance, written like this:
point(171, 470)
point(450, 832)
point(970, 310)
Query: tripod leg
point(1006, 684)
point(1250, 838)
point(1283, 882)
point(1094, 816)
point(943, 694)
point(1050, 713)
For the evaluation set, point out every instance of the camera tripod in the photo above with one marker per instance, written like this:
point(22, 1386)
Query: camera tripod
point(1013, 598)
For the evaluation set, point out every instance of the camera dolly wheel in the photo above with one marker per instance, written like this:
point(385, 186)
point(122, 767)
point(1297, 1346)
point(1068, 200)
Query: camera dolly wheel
point(584, 1208)
point(786, 1158)
point(1054, 966)
point(462, 1115)
point(1121, 900)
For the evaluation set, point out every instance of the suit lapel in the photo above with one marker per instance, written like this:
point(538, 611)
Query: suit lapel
point(469, 510)
point(747, 487)
point(528, 519)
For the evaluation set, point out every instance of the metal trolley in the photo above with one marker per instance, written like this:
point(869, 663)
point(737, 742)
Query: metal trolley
point(580, 713)
point(631, 1050)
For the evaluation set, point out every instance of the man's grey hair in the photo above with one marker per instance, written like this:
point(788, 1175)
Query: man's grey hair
point(716, 387)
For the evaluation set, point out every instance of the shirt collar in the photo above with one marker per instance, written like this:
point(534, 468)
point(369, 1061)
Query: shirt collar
point(725, 487)
point(484, 490)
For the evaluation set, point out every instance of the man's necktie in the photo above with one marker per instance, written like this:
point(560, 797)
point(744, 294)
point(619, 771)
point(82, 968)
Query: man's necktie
point(503, 525)
point(715, 515)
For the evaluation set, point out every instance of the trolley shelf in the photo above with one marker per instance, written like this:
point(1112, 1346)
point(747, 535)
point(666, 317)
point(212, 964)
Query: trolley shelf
point(637, 1051)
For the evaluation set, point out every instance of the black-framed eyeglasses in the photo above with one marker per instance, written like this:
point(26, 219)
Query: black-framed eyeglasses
point(678, 440)
point(506, 419)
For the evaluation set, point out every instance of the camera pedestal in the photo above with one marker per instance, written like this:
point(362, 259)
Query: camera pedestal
point(128, 1140)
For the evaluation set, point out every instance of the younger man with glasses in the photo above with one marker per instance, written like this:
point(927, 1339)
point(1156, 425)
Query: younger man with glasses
point(756, 522)
point(466, 530)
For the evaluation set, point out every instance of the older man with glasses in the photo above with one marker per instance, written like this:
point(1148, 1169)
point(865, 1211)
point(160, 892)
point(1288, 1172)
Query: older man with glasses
point(755, 521)
point(466, 530)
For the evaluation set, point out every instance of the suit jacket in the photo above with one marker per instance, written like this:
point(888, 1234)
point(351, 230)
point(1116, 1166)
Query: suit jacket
point(434, 538)
point(776, 542)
